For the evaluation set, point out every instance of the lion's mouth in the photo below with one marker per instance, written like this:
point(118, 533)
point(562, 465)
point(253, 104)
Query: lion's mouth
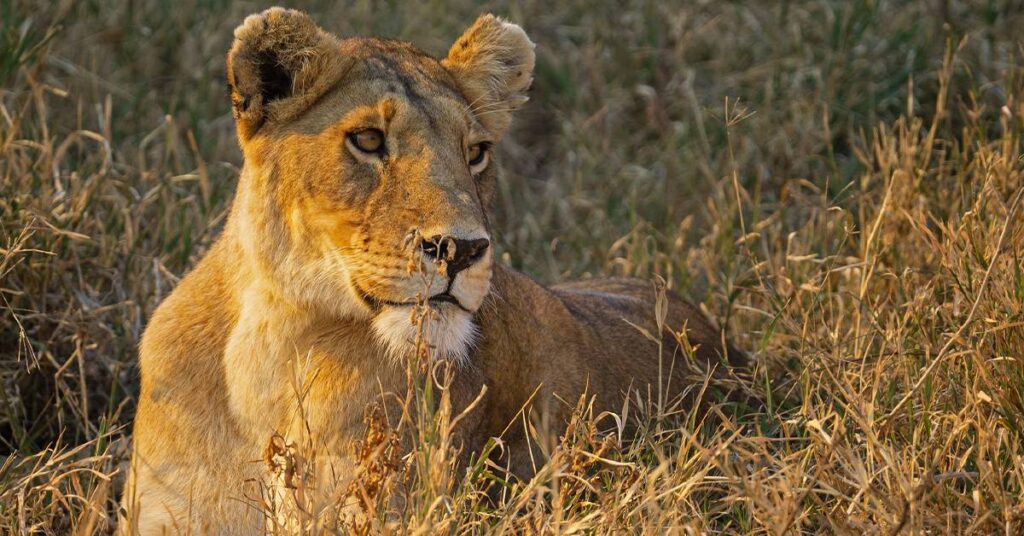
point(437, 299)
point(445, 297)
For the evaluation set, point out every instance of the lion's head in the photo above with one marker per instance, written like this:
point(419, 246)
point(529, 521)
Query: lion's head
point(368, 170)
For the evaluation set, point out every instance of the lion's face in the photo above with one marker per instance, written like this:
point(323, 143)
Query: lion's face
point(369, 171)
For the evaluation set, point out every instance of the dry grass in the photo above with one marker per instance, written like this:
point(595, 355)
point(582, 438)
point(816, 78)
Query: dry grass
point(839, 183)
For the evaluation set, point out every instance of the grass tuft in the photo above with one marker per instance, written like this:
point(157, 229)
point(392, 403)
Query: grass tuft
point(838, 183)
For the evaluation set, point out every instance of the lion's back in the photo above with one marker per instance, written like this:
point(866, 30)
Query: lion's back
point(621, 309)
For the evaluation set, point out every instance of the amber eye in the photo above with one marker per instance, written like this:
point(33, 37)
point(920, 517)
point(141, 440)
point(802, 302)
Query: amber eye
point(477, 155)
point(370, 140)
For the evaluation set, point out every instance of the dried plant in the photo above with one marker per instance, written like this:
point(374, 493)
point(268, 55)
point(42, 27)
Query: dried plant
point(839, 183)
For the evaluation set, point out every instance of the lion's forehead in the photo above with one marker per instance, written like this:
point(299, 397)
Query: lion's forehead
point(396, 80)
point(399, 61)
point(400, 69)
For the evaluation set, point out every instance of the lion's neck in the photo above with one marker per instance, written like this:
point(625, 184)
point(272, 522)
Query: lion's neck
point(285, 361)
point(263, 351)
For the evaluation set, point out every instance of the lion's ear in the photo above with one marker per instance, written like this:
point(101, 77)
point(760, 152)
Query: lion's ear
point(279, 64)
point(493, 64)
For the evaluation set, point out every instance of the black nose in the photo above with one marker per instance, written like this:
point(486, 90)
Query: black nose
point(458, 254)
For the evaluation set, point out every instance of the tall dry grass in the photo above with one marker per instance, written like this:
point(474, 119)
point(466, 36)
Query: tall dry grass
point(839, 183)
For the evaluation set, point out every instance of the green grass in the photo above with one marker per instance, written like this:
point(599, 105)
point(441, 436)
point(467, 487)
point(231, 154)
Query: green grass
point(839, 183)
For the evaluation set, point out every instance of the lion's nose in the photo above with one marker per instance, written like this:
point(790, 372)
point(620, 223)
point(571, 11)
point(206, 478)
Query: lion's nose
point(458, 254)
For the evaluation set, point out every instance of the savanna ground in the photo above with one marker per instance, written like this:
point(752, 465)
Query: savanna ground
point(838, 183)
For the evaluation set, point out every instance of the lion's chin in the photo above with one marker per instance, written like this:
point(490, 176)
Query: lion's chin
point(448, 332)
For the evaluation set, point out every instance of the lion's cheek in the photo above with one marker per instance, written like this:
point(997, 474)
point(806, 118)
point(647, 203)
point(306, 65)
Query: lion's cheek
point(472, 285)
point(471, 291)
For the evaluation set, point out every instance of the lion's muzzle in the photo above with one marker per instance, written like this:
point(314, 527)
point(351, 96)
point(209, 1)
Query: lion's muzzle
point(452, 279)
point(454, 254)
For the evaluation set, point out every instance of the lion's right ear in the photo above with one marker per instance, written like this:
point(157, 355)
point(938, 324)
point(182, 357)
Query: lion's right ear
point(279, 64)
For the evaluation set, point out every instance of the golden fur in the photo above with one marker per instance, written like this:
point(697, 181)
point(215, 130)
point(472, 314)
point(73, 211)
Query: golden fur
point(306, 290)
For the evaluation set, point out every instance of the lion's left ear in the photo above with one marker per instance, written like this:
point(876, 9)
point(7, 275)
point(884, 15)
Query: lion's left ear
point(493, 64)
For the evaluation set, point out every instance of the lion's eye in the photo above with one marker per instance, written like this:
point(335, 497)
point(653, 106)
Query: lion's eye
point(370, 140)
point(477, 156)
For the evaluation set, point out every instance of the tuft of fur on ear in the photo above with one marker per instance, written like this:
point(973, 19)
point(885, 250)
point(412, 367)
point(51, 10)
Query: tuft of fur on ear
point(493, 64)
point(279, 64)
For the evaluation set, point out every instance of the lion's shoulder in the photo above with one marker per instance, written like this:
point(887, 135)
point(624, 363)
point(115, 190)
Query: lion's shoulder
point(188, 330)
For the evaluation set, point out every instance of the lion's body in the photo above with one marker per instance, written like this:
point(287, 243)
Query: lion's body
point(291, 323)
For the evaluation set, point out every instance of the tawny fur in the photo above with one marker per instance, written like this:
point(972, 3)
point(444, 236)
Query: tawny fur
point(284, 304)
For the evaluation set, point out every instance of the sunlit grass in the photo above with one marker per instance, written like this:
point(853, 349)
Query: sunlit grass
point(838, 183)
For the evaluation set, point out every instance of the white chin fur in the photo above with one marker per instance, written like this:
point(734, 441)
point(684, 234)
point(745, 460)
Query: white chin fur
point(449, 332)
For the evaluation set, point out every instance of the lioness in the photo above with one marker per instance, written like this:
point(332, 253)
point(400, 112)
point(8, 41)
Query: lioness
point(361, 154)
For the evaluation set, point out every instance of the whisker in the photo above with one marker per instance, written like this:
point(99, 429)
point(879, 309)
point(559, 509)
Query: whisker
point(503, 110)
point(486, 106)
point(476, 100)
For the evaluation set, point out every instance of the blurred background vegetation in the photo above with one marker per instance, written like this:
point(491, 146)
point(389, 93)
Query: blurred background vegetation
point(660, 137)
